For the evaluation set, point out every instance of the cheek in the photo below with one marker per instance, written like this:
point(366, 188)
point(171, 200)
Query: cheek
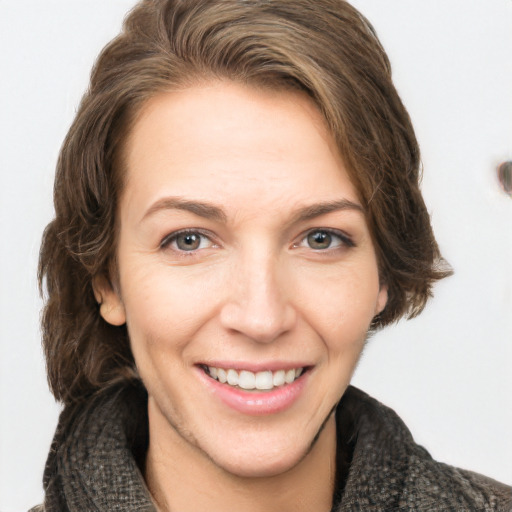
point(340, 303)
point(166, 305)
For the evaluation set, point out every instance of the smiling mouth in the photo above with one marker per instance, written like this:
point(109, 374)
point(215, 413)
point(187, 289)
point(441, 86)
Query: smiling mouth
point(258, 381)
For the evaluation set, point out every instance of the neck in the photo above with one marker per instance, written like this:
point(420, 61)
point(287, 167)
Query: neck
point(181, 478)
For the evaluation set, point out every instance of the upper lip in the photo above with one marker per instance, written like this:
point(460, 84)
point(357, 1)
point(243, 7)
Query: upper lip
point(259, 366)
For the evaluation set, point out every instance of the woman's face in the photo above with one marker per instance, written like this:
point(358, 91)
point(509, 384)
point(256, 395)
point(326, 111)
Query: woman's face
point(243, 254)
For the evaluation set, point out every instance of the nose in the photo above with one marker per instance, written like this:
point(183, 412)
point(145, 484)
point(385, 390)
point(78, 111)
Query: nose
point(258, 305)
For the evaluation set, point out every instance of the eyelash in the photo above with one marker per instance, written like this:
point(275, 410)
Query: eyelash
point(171, 238)
point(344, 240)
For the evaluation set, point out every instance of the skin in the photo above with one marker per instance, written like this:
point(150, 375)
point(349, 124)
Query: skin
point(256, 289)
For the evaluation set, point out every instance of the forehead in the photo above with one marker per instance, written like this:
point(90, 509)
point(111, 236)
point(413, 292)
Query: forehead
point(227, 142)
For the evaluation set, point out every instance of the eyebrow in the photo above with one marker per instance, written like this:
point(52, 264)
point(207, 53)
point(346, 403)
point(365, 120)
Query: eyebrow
point(210, 211)
point(318, 209)
point(206, 210)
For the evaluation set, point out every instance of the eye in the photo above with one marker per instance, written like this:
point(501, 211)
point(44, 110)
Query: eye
point(187, 241)
point(323, 239)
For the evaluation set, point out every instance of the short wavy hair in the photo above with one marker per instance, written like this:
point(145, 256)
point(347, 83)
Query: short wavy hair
point(325, 48)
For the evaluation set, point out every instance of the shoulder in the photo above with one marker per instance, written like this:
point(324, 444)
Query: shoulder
point(435, 484)
point(389, 471)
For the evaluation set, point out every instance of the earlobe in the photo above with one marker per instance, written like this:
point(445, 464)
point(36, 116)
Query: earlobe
point(382, 299)
point(111, 307)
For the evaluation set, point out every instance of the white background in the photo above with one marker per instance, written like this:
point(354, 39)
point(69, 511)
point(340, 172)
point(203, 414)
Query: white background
point(447, 373)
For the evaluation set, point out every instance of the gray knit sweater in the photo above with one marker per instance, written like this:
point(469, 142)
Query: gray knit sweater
point(98, 448)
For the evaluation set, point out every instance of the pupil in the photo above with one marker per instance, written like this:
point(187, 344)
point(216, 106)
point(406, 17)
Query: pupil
point(188, 242)
point(319, 240)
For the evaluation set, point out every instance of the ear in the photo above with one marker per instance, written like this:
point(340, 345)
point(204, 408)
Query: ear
point(111, 306)
point(382, 299)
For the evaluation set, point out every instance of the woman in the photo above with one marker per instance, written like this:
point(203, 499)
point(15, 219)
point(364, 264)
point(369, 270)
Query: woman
point(237, 208)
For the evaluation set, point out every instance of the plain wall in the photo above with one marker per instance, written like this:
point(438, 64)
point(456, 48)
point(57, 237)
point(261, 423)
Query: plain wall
point(447, 373)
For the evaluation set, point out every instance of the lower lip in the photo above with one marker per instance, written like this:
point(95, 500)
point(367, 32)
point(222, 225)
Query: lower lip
point(253, 402)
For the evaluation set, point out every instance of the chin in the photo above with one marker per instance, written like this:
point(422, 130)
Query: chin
point(263, 454)
point(261, 465)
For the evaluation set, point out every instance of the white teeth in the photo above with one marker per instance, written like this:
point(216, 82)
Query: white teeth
point(249, 380)
point(278, 378)
point(232, 377)
point(289, 376)
point(264, 380)
point(221, 375)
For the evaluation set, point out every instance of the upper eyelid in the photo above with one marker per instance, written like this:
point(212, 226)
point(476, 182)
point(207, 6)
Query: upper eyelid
point(345, 237)
point(172, 236)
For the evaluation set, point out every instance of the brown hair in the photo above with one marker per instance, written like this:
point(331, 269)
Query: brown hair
point(323, 47)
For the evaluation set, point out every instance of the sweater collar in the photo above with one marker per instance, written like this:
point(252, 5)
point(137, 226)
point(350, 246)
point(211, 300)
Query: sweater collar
point(92, 463)
point(99, 447)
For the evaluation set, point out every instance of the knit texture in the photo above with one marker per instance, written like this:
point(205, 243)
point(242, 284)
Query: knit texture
point(95, 456)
